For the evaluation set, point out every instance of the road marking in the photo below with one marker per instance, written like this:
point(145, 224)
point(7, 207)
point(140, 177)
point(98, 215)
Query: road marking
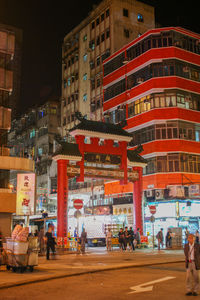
point(144, 288)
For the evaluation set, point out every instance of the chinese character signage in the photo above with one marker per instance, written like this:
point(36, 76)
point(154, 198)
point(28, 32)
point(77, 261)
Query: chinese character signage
point(102, 158)
point(25, 194)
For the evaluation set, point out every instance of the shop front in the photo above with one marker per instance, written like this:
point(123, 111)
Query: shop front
point(173, 213)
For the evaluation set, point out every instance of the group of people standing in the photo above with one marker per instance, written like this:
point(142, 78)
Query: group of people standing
point(128, 238)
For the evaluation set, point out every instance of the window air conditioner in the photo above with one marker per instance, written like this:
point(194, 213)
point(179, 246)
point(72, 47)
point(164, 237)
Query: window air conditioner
point(177, 191)
point(150, 194)
point(159, 194)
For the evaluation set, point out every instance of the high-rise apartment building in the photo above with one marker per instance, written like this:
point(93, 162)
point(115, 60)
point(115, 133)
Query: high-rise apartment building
point(154, 83)
point(109, 26)
point(9, 84)
point(10, 66)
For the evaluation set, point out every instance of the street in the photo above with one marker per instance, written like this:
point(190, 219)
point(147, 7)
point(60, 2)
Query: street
point(100, 275)
point(107, 285)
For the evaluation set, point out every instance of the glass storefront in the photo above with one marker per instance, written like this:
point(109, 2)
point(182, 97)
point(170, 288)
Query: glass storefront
point(173, 213)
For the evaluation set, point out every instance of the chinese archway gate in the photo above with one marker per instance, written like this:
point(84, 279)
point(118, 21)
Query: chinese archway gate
point(106, 145)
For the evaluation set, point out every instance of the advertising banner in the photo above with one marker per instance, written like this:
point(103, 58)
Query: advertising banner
point(25, 194)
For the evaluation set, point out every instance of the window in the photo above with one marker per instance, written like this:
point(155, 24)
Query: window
point(92, 84)
point(105, 55)
point(65, 83)
point(107, 13)
point(97, 21)
point(85, 37)
point(53, 110)
point(102, 17)
point(64, 121)
point(92, 65)
point(85, 97)
point(40, 151)
point(102, 37)
point(126, 33)
point(85, 57)
point(140, 18)
point(125, 12)
point(92, 44)
point(93, 25)
point(32, 133)
point(107, 33)
point(98, 40)
point(69, 81)
point(98, 60)
point(85, 76)
point(98, 82)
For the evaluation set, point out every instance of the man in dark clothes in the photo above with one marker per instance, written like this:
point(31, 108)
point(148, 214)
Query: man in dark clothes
point(126, 237)
point(121, 239)
point(50, 241)
point(131, 238)
point(192, 261)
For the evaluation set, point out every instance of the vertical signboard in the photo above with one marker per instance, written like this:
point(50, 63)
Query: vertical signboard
point(25, 194)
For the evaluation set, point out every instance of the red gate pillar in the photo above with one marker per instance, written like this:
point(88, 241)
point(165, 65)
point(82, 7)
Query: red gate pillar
point(62, 196)
point(137, 200)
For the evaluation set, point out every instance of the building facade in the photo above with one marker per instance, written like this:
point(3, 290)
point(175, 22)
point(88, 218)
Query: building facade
point(10, 66)
point(9, 92)
point(107, 28)
point(32, 136)
point(154, 83)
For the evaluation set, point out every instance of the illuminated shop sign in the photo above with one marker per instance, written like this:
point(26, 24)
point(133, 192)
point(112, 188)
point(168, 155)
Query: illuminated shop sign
point(191, 210)
point(194, 191)
point(25, 194)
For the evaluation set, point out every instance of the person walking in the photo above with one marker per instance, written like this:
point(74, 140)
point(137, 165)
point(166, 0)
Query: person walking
point(192, 261)
point(41, 240)
point(126, 238)
point(83, 240)
point(168, 239)
point(121, 239)
point(50, 241)
point(160, 238)
point(109, 239)
point(131, 238)
point(138, 238)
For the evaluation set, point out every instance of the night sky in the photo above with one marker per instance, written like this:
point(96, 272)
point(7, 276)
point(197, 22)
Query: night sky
point(45, 23)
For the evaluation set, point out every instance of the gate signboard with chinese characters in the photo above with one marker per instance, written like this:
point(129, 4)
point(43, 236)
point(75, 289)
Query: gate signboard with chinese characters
point(25, 194)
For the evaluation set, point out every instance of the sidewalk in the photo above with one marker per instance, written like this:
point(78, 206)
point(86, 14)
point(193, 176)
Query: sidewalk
point(95, 260)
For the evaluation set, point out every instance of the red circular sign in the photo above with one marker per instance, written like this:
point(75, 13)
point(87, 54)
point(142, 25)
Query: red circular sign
point(78, 203)
point(152, 209)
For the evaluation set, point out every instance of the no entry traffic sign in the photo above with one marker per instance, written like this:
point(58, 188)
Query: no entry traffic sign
point(152, 209)
point(78, 203)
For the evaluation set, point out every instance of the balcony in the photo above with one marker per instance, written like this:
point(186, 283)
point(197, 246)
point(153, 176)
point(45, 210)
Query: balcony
point(8, 162)
point(7, 201)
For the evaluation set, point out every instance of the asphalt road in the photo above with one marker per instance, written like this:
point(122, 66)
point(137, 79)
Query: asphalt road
point(166, 282)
